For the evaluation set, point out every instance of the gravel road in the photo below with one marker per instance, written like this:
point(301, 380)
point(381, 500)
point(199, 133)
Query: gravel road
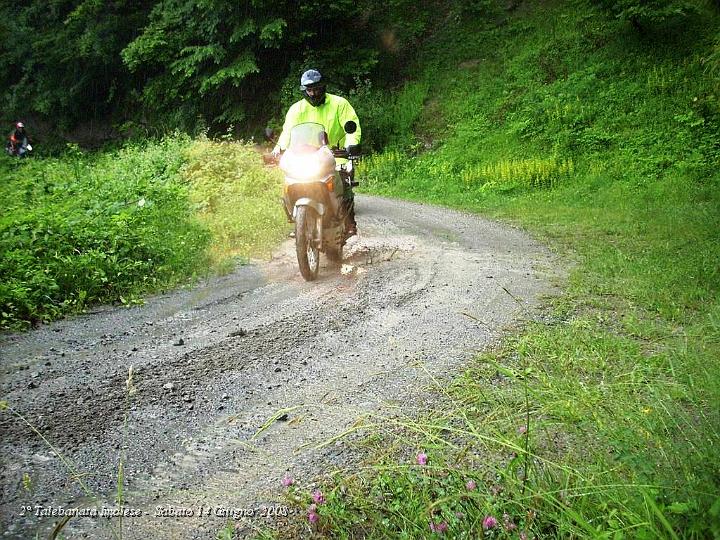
point(420, 291)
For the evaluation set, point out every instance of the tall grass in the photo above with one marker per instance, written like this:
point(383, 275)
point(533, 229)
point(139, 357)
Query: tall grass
point(236, 198)
point(510, 174)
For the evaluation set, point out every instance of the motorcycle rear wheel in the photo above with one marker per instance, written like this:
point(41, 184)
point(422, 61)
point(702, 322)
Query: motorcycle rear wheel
point(308, 254)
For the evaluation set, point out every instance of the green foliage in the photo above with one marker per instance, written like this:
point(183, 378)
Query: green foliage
point(712, 62)
point(603, 143)
point(195, 57)
point(642, 13)
point(61, 59)
point(388, 117)
point(509, 174)
point(107, 227)
point(236, 198)
point(88, 229)
point(181, 64)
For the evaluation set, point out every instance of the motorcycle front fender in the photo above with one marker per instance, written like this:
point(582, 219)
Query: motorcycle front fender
point(305, 201)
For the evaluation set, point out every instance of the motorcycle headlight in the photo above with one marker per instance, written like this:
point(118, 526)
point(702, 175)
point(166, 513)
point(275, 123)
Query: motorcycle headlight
point(301, 166)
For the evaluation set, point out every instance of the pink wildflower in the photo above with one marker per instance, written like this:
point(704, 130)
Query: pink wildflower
point(439, 528)
point(422, 458)
point(523, 536)
point(508, 522)
point(318, 497)
point(522, 430)
point(489, 522)
point(312, 513)
point(287, 481)
point(471, 485)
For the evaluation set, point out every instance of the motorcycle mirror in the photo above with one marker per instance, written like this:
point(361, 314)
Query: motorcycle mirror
point(269, 134)
point(350, 127)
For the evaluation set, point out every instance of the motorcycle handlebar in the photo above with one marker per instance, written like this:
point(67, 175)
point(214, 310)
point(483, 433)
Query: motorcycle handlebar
point(270, 159)
point(343, 153)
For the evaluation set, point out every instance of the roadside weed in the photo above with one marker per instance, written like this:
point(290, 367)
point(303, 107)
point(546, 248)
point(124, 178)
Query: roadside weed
point(236, 198)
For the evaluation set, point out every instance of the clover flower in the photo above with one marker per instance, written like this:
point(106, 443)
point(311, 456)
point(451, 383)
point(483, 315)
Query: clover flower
point(439, 528)
point(489, 522)
point(422, 458)
point(312, 513)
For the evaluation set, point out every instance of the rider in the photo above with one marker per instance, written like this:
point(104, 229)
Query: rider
point(332, 112)
point(19, 140)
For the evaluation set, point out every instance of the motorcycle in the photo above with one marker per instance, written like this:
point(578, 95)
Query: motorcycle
point(313, 194)
point(14, 149)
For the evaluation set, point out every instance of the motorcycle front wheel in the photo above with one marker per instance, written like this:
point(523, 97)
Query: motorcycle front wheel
point(308, 254)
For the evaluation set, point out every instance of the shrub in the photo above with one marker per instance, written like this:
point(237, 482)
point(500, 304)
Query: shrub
point(95, 228)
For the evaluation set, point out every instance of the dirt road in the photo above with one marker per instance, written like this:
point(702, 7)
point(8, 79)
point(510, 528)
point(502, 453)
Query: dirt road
point(421, 289)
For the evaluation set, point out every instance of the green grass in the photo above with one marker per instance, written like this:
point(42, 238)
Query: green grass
point(602, 143)
point(236, 198)
point(112, 226)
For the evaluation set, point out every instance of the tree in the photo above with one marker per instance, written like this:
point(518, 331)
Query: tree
point(218, 59)
point(61, 58)
point(174, 63)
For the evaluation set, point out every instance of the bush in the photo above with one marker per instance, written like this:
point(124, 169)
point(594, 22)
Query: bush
point(101, 228)
point(236, 198)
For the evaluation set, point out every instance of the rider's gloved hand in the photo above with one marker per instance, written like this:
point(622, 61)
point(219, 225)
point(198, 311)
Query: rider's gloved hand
point(275, 152)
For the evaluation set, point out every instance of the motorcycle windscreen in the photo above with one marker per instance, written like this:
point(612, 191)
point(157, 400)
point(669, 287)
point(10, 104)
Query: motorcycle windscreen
point(307, 137)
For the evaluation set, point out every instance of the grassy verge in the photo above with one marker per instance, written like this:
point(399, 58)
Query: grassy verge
point(605, 421)
point(112, 226)
point(237, 199)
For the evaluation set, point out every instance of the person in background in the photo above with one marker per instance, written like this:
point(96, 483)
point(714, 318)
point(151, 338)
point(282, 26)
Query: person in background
point(19, 141)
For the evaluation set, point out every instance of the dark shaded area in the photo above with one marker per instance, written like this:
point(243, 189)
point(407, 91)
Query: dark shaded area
point(90, 72)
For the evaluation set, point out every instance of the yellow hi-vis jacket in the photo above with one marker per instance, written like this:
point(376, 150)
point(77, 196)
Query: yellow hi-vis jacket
point(332, 115)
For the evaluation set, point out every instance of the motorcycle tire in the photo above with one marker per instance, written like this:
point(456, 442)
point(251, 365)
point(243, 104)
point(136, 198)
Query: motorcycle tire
point(308, 254)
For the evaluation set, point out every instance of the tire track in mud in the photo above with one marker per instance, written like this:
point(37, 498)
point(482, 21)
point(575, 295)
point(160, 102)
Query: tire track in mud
point(211, 365)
